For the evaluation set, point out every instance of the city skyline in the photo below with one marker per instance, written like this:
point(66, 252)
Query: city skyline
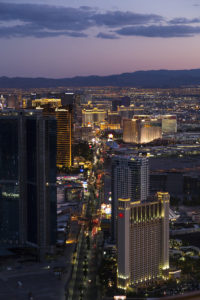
point(39, 38)
point(128, 212)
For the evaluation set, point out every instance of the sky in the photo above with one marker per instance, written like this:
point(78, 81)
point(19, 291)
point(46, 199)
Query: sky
point(67, 38)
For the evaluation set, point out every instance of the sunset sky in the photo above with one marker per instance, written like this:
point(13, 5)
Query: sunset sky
point(39, 38)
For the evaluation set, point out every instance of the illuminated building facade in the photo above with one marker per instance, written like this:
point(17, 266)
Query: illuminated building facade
point(64, 119)
point(24, 103)
point(95, 116)
point(142, 241)
point(107, 126)
point(168, 122)
point(27, 180)
point(131, 131)
point(130, 179)
point(141, 131)
point(2, 102)
point(52, 102)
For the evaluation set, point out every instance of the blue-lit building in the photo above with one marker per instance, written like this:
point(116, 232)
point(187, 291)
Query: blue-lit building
point(27, 179)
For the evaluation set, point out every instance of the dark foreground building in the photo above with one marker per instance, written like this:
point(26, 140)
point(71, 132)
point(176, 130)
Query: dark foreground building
point(27, 180)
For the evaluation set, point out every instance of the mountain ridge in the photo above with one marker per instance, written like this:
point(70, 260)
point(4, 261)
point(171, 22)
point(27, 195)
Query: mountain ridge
point(142, 79)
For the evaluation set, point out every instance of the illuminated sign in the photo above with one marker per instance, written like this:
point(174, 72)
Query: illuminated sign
point(10, 195)
point(120, 215)
point(106, 209)
point(85, 184)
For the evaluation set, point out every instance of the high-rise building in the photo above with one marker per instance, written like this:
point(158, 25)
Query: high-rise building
point(130, 179)
point(64, 116)
point(142, 241)
point(126, 101)
point(116, 103)
point(168, 122)
point(131, 131)
point(27, 180)
point(68, 98)
point(126, 112)
point(9, 179)
point(141, 131)
point(2, 102)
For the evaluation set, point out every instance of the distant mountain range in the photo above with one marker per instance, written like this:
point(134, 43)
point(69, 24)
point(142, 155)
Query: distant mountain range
point(140, 79)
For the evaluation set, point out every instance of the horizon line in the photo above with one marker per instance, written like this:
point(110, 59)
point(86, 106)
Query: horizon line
point(95, 75)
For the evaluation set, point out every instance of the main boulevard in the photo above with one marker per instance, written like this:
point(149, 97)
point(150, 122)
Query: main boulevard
point(84, 283)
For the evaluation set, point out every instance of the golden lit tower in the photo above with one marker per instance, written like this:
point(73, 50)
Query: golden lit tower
point(64, 117)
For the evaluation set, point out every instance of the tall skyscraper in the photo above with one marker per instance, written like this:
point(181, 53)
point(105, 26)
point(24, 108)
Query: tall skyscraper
point(142, 241)
point(130, 179)
point(9, 179)
point(27, 179)
point(64, 117)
